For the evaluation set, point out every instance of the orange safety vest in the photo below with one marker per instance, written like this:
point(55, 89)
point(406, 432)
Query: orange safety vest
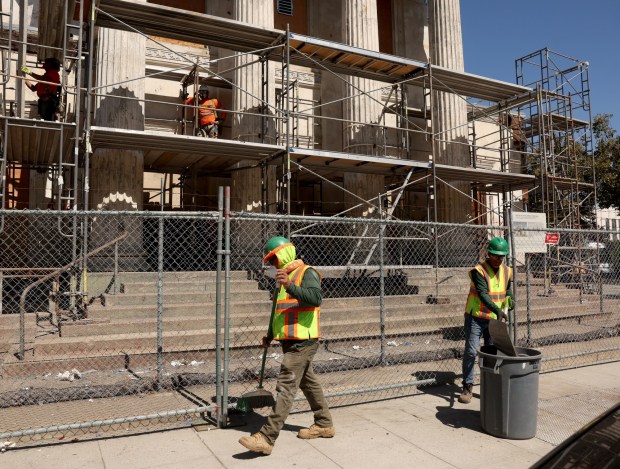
point(497, 283)
point(292, 321)
point(206, 110)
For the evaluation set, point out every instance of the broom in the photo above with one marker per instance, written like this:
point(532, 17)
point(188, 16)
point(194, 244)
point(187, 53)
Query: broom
point(260, 397)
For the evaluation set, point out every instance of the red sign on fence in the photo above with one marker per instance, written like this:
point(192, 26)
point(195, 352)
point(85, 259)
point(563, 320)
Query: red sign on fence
point(552, 238)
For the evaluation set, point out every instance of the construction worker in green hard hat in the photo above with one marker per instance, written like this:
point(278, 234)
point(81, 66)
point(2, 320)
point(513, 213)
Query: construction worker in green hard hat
point(490, 295)
point(296, 326)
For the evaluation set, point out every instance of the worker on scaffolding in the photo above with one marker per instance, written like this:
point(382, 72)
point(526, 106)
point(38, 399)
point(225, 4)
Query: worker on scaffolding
point(47, 87)
point(209, 119)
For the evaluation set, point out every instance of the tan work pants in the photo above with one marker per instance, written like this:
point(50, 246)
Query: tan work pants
point(295, 373)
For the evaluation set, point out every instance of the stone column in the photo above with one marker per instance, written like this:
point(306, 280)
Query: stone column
point(449, 110)
point(246, 189)
point(116, 176)
point(360, 29)
point(410, 40)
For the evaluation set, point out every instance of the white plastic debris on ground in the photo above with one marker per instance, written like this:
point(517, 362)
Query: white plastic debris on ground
point(69, 375)
point(357, 347)
point(176, 363)
point(4, 445)
point(392, 344)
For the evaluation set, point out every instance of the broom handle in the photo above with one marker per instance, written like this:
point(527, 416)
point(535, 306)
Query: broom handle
point(269, 331)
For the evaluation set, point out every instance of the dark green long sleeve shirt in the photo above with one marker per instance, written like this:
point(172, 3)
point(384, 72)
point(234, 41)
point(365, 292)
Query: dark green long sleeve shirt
point(309, 292)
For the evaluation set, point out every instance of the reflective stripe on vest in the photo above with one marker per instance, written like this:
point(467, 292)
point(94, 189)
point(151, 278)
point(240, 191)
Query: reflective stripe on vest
point(497, 284)
point(207, 108)
point(293, 321)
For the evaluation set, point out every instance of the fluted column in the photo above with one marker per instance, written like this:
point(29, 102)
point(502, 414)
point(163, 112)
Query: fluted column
point(360, 29)
point(246, 189)
point(116, 176)
point(410, 41)
point(449, 110)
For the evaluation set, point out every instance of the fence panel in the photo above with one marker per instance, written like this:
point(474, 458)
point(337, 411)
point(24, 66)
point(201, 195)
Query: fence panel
point(120, 340)
point(128, 339)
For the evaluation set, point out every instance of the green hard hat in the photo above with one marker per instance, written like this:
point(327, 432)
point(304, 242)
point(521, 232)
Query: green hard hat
point(274, 243)
point(498, 246)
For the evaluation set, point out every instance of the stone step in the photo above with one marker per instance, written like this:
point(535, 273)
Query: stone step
point(431, 315)
point(138, 349)
point(177, 296)
point(247, 334)
point(129, 277)
point(259, 320)
point(180, 304)
point(47, 347)
point(208, 285)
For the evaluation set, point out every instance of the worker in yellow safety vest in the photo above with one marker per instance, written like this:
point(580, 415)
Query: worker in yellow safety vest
point(296, 326)
point(490, 293)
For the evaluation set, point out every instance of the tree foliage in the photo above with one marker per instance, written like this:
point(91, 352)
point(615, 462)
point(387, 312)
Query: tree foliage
point(607, 162)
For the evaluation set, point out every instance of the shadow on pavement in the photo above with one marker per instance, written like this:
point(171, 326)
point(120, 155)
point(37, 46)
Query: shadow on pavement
point(448, 390)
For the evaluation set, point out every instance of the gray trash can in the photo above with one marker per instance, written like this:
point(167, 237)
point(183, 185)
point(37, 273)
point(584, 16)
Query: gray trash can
point(509, 392)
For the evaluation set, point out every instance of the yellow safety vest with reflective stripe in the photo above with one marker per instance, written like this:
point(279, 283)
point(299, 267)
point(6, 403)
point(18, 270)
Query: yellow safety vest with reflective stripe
point(293, 321)
point(497, 282)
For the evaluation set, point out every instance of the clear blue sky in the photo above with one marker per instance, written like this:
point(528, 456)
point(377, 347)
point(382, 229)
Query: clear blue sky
point(496, 32)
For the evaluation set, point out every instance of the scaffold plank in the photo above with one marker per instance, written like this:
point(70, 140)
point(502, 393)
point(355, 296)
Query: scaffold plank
point(166, 151)
point(37, 142)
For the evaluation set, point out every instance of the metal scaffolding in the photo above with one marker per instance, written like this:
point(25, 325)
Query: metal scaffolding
point(556, 129)
point(527, 121)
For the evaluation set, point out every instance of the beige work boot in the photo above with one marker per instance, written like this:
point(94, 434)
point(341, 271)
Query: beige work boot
point(466, 395)
point(257, 443)
point(316, 432)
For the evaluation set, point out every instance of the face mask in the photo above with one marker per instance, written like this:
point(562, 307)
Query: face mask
point(270, 272)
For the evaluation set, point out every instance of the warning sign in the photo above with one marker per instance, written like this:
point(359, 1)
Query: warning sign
point(552, 238)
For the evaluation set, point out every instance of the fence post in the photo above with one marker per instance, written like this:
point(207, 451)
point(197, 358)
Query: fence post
point(116, 268)
point(600, 273)
point(528, 274)
point(160, 289)
point(218, 308)
point(513, 319)
point(381, 282)
point(226, 300)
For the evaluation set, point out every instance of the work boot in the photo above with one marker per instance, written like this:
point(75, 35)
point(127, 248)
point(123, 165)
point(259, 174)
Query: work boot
point(466, 395)
point(316, 432)
point(257, 443)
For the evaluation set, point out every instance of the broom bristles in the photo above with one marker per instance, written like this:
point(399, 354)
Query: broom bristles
point(255, 400)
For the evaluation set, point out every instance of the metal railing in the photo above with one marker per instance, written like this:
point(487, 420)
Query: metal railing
point(56, 274)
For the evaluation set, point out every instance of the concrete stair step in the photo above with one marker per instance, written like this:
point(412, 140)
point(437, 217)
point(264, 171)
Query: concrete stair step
point(138, 349)
point(208, 285)
point(109, 326)
point(246, 335)
point(239, 308)
point(178, 296)
point(129, 277)
point(433, 317)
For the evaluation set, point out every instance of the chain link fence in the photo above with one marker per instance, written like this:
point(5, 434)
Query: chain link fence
point(114, 322)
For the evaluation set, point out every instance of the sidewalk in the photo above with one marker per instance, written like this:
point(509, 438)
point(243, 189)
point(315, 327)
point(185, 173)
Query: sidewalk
point(431, 430)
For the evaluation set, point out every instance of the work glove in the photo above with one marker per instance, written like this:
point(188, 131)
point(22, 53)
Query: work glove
point(25, 69)
point(266, 342)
